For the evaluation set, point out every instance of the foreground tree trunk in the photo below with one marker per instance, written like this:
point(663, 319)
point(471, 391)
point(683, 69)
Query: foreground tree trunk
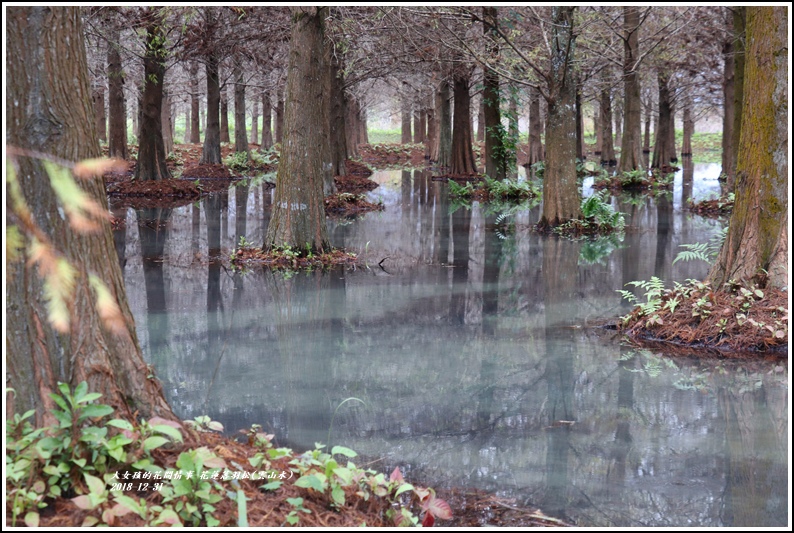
point(494, 142)
point(151, 146)
point(561, 196)
point(225, 114)
point(337, 115)
point(48, 82)
point(462, 153)
point(240, 133)
point(756, 248)
point(298, 213)
point(444, 155)
point(631, 146)
point(117, 112)
point(211, 153)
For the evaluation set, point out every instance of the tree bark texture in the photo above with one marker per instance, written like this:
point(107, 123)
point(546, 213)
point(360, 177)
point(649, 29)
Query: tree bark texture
point(756, 247)
point(48, 109)
point(739, 24)
point(405, 117)
point(240, 132)
point(211, 153)
point(535, 128)
point(267, 122)
point(166, 121)
point(462, 152)
point(444, 155)
point(280, 116)
point(298, 213)
point(151, 148)
point(631, 146)
point(663, 153)
point(646, 137)
point(255, 120)
point(561, 195)
point(225, 114)
point(689, 131)
point(98, 98)
point(337, 114)
point(607, 147)
point(494, 142)
point(195, 123)
point(117, 112)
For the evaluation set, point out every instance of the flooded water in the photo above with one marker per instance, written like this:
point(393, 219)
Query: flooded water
point(462, 350)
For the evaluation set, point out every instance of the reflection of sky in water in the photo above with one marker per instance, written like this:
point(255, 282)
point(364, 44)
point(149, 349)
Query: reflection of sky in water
point(470, 370)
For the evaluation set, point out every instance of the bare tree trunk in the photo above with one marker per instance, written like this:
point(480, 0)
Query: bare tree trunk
point(151, 145)
point(195, 133)
point(631, 147)
point(739, 21)
point(117, 113)
point(494, 142)
point(431, 144)
point(646, 139)
point(535, 128)
point(255, 120)
point(280, 116)
point(352, 127)
point(362, 122)
point(481, 120)
point(298, 213)
point(225, 114)
point(47, 76)
point(165, 122)
point(240, 133)
point(211, 153)
point(662, 154)
point(462, 152)
point(337, 113)
point(561, 195)
point(267, 120)
point(405, 117)
point(607, 147)
point(689, 130)
point(618, 115)
point(98, 98)
point(580, 150)
point(444, 113)
point(756, 248)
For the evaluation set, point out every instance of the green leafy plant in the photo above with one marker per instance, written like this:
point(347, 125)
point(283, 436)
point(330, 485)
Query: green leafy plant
point(237, 160)
point(703, 251)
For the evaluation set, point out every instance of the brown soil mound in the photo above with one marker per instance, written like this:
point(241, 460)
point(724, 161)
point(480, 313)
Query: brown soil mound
point(718, 207)
point(733, 322)
point(357, 169)
point(347, 204)
point(474, 508)
point(250, 256)
point(354, 183)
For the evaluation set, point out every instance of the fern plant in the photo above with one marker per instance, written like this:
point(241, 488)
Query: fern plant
point(654, 288)
point(703, 251)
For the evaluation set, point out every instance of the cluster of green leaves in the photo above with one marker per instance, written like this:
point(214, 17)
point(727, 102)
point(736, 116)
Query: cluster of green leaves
point(703, 251)
point(78, 456)
point(321, 473)
point(598, 217)
point(654, 290)
point(237, 160)
point(508, 189)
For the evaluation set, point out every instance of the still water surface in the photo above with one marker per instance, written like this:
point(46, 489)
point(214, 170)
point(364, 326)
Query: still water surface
point(468, 344)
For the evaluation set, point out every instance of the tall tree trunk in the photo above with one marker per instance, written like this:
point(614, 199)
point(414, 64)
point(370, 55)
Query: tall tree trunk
point(240, 133)
point(405, 117)
point(362, 123)
point(420, 125)
point(756, 247)
point(607, 147)
point(431, 144)
point(186, 137)
point(617, 109)
point(561, 191)
point(337, 112)
point(646, 138)
point(444, 113)
point(481, 120)
point(280, 116)
point(47, 79)
point(728, 110)
point(494, 140)
point(98, 98)
point(511, 155)
point(267, 122)
point(535, 128)
point(662, 154)
point(580, 150)
point(165, 121)
point(631, 147)
point(352, 127)
point(298, 213)
point(211, 153)
point(151, 147)
point(255, 120)
point(462, 152)
point(195, 130)
point(739, 22)
point(225, 114)
point(689, 130)
point(117, 112)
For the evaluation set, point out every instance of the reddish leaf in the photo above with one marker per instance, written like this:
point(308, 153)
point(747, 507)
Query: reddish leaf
point(429, 520)
point(439, 508)
point(396, 475)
